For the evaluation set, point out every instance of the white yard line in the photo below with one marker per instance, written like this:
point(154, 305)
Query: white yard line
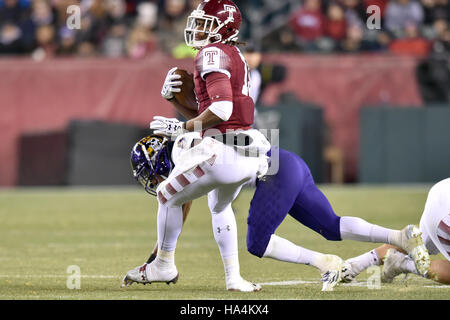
point(273, 283)
point(58, 276)
point(295, 282)
point(287, 283)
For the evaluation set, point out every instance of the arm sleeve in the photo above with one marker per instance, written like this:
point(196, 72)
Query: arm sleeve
point(222, 109)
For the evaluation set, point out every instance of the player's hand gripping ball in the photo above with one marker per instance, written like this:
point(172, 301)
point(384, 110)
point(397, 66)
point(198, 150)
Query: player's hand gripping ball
point(179, 85)
point(186, 97)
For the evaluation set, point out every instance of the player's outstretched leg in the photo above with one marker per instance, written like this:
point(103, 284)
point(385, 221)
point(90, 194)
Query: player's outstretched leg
point(351, 268)
point(329, 266)
point(408, 239)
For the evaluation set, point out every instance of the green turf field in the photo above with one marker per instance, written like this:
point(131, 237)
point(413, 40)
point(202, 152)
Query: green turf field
point(106, 232)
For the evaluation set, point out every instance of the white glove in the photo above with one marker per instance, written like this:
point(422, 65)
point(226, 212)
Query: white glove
point(166, 126)
point(170, 84)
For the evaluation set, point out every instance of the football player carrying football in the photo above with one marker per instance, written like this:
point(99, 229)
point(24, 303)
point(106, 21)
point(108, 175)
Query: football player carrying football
point(228, 154)
point(291, 190)
point(225, 113)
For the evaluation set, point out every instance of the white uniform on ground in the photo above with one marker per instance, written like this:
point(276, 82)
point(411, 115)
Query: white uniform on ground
point(435, 221)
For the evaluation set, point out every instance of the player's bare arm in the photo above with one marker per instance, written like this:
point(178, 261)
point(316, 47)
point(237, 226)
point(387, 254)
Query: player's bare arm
point(207, 120)
point(184, 110)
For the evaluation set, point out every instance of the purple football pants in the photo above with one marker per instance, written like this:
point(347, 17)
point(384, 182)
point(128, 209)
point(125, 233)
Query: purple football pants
point(292, 190)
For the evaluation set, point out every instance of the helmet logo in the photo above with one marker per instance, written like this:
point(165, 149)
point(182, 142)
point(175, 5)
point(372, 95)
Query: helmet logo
point(230, 10)
point(155, 143)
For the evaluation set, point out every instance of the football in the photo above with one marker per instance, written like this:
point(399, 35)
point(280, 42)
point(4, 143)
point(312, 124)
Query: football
point(186, 96)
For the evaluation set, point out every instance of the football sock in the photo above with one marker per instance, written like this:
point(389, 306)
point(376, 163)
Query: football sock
point(225, 234)
point(165, 259)
point(364, 261)
point(395, 238)
point(284, 250)
point(170, 223)
point(353, 228)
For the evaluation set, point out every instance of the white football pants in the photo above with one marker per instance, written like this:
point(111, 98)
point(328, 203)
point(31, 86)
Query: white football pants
point(221, 176)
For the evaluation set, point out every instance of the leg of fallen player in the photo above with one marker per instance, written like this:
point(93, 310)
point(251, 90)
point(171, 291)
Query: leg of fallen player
point(440, 271)
point(435, 232)
point(360, 263)
point(397, 263)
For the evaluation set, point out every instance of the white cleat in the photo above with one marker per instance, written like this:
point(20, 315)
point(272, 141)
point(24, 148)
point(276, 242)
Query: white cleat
point(393, 265)
point(412, 242)
point(148, 273)
point(331, 271)
point(242, 285)
point(349, 272)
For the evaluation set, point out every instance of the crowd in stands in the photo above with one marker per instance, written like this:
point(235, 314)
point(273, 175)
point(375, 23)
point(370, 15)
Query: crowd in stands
point(137, 28)
point(409, 27)
point(108, 28)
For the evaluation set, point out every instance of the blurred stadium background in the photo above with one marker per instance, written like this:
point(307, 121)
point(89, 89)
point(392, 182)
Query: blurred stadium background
point(361, 106)
point(355, 103)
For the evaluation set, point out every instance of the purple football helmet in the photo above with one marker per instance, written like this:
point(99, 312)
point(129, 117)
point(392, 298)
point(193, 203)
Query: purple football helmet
point(150, 161)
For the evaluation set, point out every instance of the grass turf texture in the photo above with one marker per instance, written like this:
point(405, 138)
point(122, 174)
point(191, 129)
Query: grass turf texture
point(108, 231)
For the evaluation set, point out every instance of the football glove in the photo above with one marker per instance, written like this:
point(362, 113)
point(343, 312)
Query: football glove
point(171, 84)
point(166, 126)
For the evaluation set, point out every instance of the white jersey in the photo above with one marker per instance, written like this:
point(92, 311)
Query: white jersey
point(435, 221)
